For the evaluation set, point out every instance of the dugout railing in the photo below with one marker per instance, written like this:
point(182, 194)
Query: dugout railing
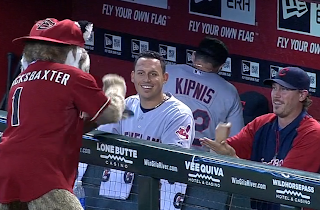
point(156, 161)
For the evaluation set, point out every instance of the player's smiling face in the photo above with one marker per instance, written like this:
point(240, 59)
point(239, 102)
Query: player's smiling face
point(148, 79)
point(286, 102)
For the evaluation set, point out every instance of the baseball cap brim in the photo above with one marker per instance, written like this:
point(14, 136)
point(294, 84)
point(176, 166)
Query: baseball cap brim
point(280, 82)
point(24, 38)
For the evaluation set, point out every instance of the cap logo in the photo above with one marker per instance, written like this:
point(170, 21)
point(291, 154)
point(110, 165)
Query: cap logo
point(45, 24)
point(283, 72)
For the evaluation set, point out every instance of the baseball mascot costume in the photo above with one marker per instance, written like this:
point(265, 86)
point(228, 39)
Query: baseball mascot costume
point(51, 103)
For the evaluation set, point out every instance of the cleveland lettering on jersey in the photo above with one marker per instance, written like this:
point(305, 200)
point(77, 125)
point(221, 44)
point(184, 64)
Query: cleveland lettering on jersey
point(194, 89)
point(48, 75)
point(140, 136)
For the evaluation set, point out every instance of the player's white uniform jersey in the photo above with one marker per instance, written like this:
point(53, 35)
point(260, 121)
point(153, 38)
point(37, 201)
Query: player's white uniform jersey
point(210, 97)
point(170, 123)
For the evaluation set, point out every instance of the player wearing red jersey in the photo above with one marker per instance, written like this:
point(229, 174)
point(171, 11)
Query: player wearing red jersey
point(288, 137)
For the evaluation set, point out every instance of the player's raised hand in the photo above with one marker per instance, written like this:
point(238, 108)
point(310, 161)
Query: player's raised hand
point(219, 145)
point(222, 131)
point(222, 148)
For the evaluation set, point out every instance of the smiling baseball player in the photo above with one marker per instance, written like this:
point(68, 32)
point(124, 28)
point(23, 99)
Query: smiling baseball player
point(158, 117)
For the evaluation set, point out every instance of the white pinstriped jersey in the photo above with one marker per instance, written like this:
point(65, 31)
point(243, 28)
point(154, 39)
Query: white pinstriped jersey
point(211, 98)
point(170, 123)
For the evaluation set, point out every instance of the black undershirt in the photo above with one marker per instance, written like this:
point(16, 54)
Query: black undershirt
point(147, 110)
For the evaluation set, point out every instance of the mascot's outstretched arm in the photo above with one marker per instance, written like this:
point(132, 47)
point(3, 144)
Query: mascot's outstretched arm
point(114, 87)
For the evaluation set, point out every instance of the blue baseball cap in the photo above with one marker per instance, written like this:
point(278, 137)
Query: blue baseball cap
point(292, 78)
point(254, 105)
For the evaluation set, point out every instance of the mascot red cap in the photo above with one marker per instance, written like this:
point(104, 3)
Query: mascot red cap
point(64, 32)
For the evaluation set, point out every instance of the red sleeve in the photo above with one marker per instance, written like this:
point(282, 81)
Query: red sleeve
point(243, 141)
point(304, 154)
point(88, 97)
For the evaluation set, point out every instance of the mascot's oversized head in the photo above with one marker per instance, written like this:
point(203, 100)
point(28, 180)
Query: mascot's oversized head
point(59, 42)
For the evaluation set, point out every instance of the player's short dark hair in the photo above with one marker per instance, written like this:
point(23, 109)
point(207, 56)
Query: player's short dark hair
point(152, 54)
point(212, 50)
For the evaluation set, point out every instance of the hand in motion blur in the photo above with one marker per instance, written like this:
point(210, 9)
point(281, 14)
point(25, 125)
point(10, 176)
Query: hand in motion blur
point(220, 145)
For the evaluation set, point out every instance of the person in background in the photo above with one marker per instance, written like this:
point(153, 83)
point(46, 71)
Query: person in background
point(288, 137)
point(212, 100)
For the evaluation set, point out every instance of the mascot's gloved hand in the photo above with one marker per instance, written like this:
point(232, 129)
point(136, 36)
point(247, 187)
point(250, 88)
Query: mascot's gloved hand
point(113, 83)
point(114, 86)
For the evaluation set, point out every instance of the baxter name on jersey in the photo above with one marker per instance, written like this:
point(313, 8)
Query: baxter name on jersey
point(49, 75)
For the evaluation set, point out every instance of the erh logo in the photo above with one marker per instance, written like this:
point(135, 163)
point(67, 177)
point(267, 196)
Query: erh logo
point(293, 7)
point(241, 11)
